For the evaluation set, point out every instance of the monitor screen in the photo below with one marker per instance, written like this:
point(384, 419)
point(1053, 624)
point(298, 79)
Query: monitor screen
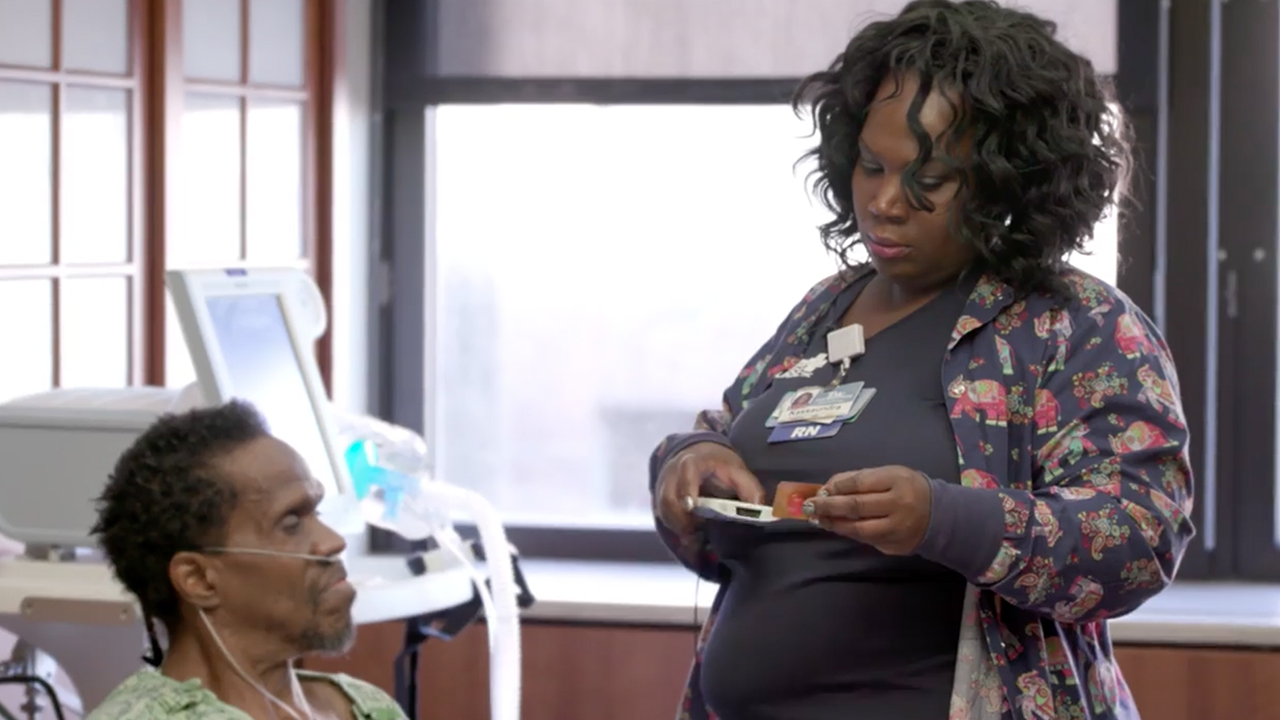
point(264, 370)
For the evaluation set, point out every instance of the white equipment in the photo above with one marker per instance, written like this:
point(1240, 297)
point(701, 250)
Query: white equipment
point(733, 511)
point(250, 334)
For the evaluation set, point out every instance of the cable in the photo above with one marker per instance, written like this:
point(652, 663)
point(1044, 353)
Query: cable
point(4, 713)
point(156, 655)
point(48, 689)
point(697, 629)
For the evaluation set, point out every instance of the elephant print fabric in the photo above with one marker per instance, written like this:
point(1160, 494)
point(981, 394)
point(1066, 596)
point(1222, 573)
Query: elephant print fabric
point(1073, 455)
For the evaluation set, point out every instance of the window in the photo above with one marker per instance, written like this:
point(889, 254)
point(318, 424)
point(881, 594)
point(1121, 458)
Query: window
point(241, 157)
point(70, 260)
point(696, 225)
point(96, 199)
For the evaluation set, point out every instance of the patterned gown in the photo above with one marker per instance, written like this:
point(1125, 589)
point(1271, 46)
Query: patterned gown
point(148, 695)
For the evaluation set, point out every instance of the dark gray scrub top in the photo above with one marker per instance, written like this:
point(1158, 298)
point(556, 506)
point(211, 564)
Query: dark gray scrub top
point(816, 626)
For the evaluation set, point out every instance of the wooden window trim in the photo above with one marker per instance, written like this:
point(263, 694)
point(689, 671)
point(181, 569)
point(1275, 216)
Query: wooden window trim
point(161, 23)
point(57, 78)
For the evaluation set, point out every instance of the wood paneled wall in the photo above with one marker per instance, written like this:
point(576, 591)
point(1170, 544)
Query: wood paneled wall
point(586, 672)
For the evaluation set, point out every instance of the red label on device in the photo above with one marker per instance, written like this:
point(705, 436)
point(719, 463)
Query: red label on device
point(788, 499)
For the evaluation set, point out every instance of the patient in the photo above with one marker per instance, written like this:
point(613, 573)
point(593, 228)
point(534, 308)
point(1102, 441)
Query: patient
point(211, 522)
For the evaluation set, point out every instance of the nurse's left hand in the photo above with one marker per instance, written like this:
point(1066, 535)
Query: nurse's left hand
point(885, 507)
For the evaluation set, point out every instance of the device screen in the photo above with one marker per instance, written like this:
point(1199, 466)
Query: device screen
point(264, 370)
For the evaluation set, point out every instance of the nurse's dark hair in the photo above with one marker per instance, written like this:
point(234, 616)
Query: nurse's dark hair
point(1049, 150)
point(165, 496)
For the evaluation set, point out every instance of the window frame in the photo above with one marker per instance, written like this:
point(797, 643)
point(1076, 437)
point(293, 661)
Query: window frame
point(158, 24)
point(402, 334)
point(57, 78)
point(1166, 234)
point(155, 81)
point(1249, 186)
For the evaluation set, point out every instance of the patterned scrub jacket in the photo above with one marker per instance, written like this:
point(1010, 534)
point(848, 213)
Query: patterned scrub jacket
point(1075, 497)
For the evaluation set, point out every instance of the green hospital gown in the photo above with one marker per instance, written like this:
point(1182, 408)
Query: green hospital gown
point(149, 695)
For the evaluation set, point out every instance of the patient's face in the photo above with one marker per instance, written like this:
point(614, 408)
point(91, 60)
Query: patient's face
point(300, 604)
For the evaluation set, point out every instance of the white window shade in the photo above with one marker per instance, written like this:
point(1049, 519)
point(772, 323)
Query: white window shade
point(695, 38)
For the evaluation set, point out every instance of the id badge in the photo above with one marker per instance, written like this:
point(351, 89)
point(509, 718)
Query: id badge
point(796, 432)
point(820, 404)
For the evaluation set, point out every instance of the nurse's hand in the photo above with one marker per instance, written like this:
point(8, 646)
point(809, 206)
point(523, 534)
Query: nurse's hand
point(703, 469)
point(885, 507)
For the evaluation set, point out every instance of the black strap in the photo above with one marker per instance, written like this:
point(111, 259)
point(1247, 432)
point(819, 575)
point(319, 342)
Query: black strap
point(442, 625)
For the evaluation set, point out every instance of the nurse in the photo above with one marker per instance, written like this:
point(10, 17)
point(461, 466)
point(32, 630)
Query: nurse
point(1002, 458)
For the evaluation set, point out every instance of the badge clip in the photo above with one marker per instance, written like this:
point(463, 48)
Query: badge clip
point(845, 344)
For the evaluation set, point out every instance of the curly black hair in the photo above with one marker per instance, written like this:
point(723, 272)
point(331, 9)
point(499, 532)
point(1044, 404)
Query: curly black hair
point(1050, 151)
point(164, 496)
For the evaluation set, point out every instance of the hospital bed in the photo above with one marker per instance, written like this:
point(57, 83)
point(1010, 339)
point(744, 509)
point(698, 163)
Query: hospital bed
point(250, 334)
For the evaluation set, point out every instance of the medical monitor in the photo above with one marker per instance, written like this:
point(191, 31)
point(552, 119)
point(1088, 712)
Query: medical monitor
point(248, 335)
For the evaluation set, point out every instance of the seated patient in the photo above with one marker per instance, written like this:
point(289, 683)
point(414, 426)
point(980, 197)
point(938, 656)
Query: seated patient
point(211, 522)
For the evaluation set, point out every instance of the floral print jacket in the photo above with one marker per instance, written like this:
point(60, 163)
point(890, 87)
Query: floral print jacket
point(1075, 487)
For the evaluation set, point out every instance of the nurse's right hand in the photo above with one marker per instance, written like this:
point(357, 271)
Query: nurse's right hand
point(705, 468)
